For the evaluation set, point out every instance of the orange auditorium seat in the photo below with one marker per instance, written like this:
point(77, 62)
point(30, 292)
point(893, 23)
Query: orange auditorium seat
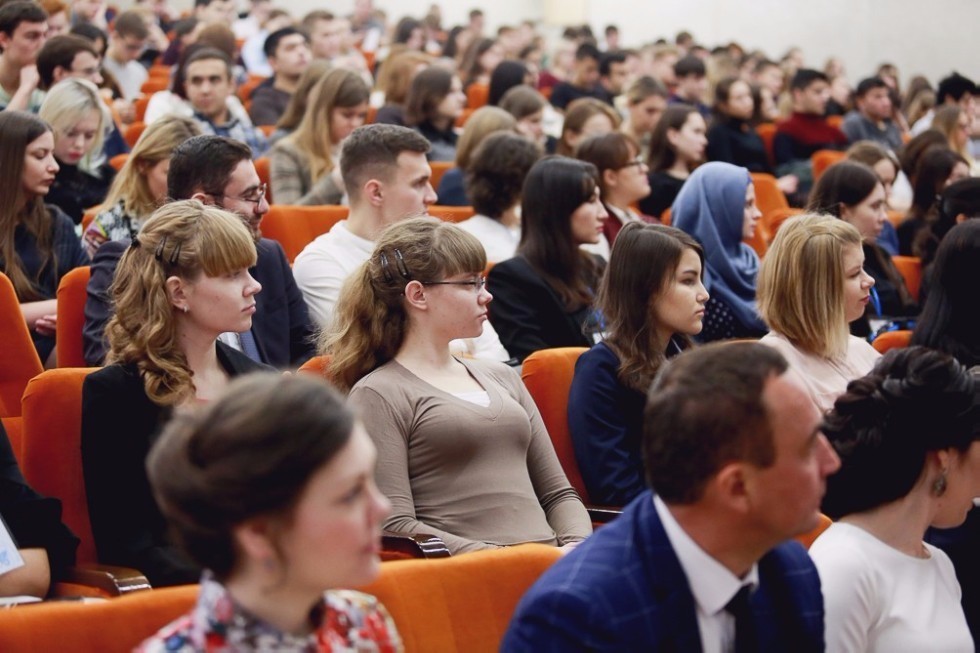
point(133, 132)
point(71, 317)
point(245, 90)
point(477, 95)
point(154, 85)
point(823, 159)
point(139, 106)
point(835, 121)
point(451, 213)
point(295, 227)
point(806, 539)
point(767, 132)
point(118, 161)
point(19, 361)
point(910, 267)
point(892, 340)
point(439, 168)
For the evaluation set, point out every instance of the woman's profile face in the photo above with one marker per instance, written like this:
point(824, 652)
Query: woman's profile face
point(886, 173)
point(857, 283)
point(75, 140)
point(454, 101)
point(532, 127)
point(868, 216)
point(40, 166)
point(156, 178)
point(587, 219)
point(690, 140)
point(224, 303)
point(751, 213)
point(962, 485)
point(598, 124)
point(344, 120)
point(334, 536)
point(632, 183)
point(680, 307)
point(740, 104)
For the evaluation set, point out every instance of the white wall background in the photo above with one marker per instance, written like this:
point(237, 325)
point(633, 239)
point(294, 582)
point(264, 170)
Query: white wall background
point(930, 37)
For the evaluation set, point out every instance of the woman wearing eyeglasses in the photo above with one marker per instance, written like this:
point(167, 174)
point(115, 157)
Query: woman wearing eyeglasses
point(183, 281)
point(462, 451)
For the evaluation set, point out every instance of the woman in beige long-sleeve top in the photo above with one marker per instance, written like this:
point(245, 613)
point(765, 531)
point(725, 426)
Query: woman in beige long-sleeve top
point(305, 166)
point(462, 451)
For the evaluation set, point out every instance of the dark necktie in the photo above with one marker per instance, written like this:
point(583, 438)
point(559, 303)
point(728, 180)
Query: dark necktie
point(745, 636)
point(249, 346)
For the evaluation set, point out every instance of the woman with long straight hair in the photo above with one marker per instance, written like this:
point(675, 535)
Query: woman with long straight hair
point(677, 147)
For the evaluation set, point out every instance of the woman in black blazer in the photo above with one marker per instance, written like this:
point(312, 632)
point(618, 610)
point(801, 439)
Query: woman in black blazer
point(183, 281)
point(543, 296)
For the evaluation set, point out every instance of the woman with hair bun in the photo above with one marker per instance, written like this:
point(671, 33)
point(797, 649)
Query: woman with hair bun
point(462, 451)
point(907, 438)
point(183, 281)
point(270, 489)
point(812, 285)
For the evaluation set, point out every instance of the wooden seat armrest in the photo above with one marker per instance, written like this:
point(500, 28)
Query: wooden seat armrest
point(416, 546)
point(603, 514)
point(108, 579)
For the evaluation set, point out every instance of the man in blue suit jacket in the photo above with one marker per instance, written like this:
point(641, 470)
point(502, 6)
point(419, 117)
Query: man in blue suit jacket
point(738, 465)
point(219, 171)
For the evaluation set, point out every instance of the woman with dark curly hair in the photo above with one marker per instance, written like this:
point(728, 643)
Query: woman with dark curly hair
point(907, 437)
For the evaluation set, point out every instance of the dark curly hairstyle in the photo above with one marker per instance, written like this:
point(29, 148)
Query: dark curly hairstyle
point(914, 401)
point(497, 171)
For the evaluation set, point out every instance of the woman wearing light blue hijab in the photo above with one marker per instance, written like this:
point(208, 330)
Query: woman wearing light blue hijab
point(717, 207)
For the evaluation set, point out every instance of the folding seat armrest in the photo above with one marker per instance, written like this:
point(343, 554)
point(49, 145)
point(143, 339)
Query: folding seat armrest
point(106, 580)
point(414, 546)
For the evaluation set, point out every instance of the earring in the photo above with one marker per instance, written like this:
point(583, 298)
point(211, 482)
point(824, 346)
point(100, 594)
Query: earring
point(186, 309)
point(939, 486)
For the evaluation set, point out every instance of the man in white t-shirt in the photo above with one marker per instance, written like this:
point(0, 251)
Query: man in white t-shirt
point(387, 179)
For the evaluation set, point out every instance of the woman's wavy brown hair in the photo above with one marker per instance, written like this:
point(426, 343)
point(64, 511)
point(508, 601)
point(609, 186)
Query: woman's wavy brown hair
point(184, 239)
point(371, 321)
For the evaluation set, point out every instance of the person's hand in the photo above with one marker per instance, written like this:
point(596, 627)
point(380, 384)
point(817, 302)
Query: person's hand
point(788, 184)
point(46, 325)
point(29, 78)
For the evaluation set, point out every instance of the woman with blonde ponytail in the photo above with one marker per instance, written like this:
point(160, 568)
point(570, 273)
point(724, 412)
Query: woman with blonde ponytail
point(462, 451)
point(183, 281)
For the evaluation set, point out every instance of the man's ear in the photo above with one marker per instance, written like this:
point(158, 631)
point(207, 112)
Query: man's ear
point(201, 197)
point(373, 192)
point(731, 487)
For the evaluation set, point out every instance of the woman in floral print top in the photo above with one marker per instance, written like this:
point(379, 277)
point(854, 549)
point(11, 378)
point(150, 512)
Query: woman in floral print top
point(271, 489)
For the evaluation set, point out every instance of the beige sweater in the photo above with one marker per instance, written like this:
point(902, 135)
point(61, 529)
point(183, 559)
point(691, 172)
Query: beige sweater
point(476, 477)
point(292, 181)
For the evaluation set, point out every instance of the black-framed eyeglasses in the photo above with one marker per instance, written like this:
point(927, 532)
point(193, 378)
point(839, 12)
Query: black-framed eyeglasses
point(638, 162)
point(478, 284)
point(256, 196)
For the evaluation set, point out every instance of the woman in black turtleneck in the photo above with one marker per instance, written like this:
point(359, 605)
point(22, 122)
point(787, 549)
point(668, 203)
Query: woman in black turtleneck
point(732, 137)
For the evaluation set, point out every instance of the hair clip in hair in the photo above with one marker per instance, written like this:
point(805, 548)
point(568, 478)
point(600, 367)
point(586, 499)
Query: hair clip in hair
point(135, 243)
point(402, 268)
point(399, 263)
point(174, 255)
point(384, 268)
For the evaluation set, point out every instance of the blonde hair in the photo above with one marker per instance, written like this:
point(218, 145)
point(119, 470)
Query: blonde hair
point(800, 289)
point(184, 239)
point(483, 122)
point(155, 144)
point(66, 104)
point(371, 321)
point(339, 88)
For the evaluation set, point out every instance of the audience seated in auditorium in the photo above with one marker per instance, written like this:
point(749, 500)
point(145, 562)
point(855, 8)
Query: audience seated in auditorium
point(421, 288)
point(394, 81)
point(38, 245)
point(582, 83)
point(288, 51)
point(646, 99)
point(141, 185)
point(737, 465)
point(885, 165)
point(494, 181)
point(717, 206)
point(937, 168)
point(623, 178)
point(812, 285)
point(544, 295)
point(585, 117)
point(691, 85)
point(435, 100)
point(480, 59)
point(852, 192)
point(182, 282)
point(677, 146)
point(871, 120)
point(303, 165)
point(333, 40)
point(67, 56)
point(127, 39)
point(219, 171)
point(955, 124)
point(528, 106)
point(732, 137)
point(253, 54)
point(44, 543)
point(296, 108)
point(175, 99)
point(662, 268)
point(907, 437)
point(954, 90)
point(23, 26)
point(484, 121)
point(78, 120)
point(612, 76)
point(270, 490)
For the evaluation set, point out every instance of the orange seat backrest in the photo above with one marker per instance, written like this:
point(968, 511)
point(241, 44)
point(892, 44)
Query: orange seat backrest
point(133, 133)
point(71, 317)
point(477, 95)
point(155, 84)
point(835, 121)
point(19, 361)
point(665, 216)
point(245, 90)
point(891, 340)
point(768, 196)
point(823, 159)
point(317, 365)
point(767, 132)
point(451, 213)
point(120, 624)
point(547, 374)
point(461, 603)
point(139, 107)
point(52, 448)
point(118, 161)
point(439, 168)
point(806, 539)
point(773, 220)
point(295, 227)
point(910, 267)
